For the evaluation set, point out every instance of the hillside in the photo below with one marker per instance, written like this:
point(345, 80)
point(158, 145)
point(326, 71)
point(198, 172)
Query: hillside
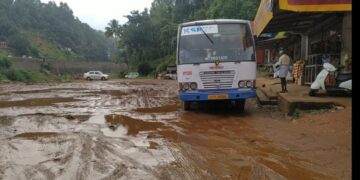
point(32, 28)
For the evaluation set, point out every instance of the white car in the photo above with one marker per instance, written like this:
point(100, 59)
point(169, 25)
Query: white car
point(95, 75)
point(132, 75)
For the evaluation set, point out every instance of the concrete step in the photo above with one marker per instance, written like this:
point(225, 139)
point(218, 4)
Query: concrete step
point(289, 104)
point(263, 99)
point(271, 93)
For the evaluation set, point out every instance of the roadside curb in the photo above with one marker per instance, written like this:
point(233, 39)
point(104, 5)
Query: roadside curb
point(289, 105)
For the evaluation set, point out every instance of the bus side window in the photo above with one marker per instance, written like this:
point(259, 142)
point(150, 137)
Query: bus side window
point(246, 40)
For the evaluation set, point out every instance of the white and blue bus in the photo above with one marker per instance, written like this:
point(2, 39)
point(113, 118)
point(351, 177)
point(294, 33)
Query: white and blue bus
point(216, 61)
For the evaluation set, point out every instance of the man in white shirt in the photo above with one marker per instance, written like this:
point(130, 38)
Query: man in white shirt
point(284, 62)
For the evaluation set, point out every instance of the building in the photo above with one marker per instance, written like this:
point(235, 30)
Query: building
point(3, 45)
point(311, 30)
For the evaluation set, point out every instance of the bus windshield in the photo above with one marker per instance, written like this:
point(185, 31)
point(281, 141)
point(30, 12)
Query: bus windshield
point(209, 43)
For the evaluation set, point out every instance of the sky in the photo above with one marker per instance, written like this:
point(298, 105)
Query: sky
point(98, 13)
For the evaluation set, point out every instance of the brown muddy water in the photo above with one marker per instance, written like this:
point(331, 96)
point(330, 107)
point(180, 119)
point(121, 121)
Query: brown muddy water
point(136, 130)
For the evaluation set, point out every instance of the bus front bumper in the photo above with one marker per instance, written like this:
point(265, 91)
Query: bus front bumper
point(229, 94)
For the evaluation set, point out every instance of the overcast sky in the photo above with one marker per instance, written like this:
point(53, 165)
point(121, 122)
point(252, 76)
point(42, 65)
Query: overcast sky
point(97, 13)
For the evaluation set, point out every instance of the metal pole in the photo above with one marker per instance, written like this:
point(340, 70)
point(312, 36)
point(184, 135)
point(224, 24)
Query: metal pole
point(304, 46)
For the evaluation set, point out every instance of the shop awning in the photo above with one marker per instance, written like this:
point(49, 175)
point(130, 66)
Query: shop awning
point(279, 35)
point(263, 16)
point(285, 13)
point(273, 40)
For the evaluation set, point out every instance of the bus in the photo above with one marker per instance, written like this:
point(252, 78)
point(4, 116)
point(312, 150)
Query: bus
point(216, 61)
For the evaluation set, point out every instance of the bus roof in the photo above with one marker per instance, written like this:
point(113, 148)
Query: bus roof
point(212, 21)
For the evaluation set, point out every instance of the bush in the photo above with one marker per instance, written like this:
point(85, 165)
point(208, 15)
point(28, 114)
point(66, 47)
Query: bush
point(45, 66)
point(3, 77)
point(4, 62)
point(18, 75)
point(38, 77)
point(122, 74)
point(25, 76)
point(165, 62)
point(144, 69)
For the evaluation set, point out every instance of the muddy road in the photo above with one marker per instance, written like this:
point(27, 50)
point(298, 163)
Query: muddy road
point(136, 129)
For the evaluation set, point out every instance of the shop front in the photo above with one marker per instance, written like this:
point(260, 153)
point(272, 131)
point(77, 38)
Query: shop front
point(317, 31)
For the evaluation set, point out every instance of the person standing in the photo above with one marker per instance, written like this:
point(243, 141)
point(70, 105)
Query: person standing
point(284, 61)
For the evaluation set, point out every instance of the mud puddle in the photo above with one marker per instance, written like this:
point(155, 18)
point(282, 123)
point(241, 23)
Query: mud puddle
point(134, 126)
point(162, 109)
point(36, 102)
point(48, 90)
point(36, 135)
point(115, 93)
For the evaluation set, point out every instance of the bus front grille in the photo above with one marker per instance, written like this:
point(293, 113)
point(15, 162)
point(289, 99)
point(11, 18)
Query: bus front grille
point(217, 79)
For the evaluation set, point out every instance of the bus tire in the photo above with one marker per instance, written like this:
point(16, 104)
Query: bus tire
point(240, 105)
point(186, 105)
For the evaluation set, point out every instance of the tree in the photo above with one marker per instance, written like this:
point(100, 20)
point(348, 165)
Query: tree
point(113, 29)
point(144, 69)
point(150, 36)
point(30, 27)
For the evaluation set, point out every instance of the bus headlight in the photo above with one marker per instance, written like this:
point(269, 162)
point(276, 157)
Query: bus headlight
point(193, 86)
point(242, 84)
point(186, 86)
point(249, 84)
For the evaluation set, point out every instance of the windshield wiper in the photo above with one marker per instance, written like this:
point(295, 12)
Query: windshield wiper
point(212, 42)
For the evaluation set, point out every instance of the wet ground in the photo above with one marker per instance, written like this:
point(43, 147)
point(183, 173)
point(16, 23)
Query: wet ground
point(136, 129)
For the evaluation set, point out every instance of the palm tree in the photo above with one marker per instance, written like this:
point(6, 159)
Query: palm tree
point(113, 29)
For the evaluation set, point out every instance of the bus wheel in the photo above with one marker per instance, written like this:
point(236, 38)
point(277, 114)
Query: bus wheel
point(240, 105)
point(186, 105)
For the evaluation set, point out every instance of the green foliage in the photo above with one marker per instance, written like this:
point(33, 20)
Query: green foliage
point(144, 69)
point(46, 66)
point(18, 75)
point(4, 62)
point(149, 36)
point(165, 62)
point(39, 77)
point(3, 76)
point(31, 27)
point(122, 74)
point(236, 9)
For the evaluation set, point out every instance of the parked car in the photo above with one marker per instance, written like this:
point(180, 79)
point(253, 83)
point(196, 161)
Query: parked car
point(132, 75)
point(95, 75)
